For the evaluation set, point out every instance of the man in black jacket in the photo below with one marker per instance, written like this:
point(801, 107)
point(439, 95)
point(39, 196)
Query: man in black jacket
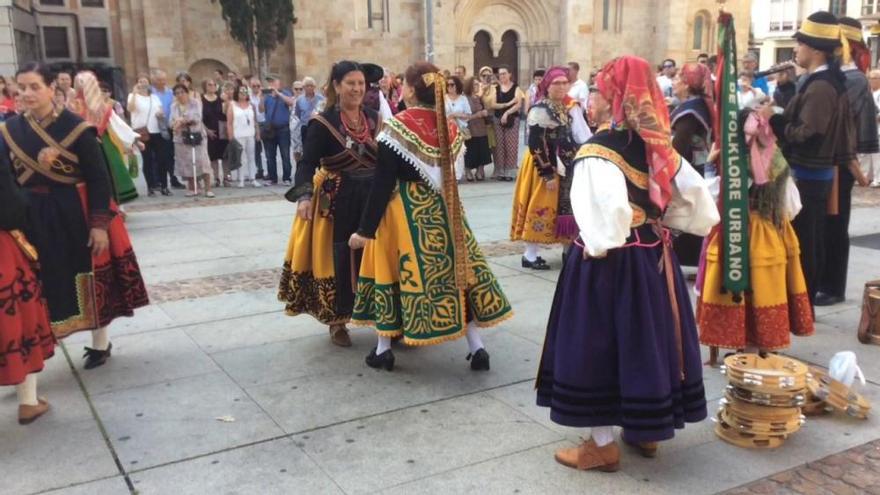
point(832, 283)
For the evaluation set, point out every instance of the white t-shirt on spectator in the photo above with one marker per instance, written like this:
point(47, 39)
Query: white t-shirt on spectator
point(581, 92)
point(144, 114)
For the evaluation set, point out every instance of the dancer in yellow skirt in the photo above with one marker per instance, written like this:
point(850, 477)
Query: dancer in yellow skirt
point(423, 276)
point(332, 183)
point(541, 206)
point(777, 304)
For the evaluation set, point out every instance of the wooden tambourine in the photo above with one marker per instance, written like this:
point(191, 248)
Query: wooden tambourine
point(731, 435)
point(837, 395)
point(759, 413)
point(769, 400)
point(761, 427)
point(814, 406)
point(773, 374)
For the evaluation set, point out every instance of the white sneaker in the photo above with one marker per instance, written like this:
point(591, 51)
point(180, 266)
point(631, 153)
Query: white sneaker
point(875, 184)
point(257, 183)
point(241, 185)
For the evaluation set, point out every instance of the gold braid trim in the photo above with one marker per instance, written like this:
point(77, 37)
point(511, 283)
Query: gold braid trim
point(450, 185)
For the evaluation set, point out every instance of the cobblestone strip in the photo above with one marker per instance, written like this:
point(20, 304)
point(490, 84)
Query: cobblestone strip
point(194, 288)
point(201, 202)
point(852, 472)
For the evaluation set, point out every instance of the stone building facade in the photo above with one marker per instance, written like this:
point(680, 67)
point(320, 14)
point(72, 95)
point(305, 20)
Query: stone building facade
point(525, 34)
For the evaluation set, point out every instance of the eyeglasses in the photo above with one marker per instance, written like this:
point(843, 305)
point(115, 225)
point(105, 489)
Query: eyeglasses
point(668, 66)
point(297, 89)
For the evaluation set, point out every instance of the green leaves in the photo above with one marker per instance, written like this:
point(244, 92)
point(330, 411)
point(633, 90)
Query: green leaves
point(259, 26)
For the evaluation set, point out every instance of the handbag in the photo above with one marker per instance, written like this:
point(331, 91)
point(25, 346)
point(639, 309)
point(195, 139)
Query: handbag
point(191, 138)
point(869, 325)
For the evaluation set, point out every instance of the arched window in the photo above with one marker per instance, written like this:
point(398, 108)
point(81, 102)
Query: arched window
point(698, 32)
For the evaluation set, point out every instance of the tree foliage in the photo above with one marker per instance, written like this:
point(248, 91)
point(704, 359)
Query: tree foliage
point(259, 26)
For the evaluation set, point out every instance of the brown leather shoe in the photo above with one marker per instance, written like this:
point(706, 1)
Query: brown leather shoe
point(646, 449)
point(28, 414)
point(339, 335)
point(590, 456)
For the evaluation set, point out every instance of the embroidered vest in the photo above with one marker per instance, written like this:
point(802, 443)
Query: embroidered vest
point(45, 151)
point(626, 151)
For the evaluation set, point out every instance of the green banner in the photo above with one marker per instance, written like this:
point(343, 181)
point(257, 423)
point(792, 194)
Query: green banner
point(733, 167)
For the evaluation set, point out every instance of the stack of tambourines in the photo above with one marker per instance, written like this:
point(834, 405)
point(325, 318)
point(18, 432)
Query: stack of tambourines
point(762, 404)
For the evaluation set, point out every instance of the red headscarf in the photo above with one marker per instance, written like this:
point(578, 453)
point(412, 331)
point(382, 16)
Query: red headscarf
point(636, 101)
point(551, 74)
point(698, 78)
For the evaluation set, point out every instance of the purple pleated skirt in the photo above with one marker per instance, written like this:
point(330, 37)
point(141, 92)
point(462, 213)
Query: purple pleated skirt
point(611, 356)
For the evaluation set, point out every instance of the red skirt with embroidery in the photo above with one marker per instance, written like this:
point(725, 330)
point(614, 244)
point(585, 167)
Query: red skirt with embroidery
point(84, 292)
point(26, 338)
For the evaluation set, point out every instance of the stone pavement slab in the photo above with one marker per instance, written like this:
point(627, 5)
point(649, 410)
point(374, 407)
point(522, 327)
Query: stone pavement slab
point(147, 359)
point(270, 468)
point(65, 448)
point(332, 394)
point(109, 486)
point(251, 331)
point(367, 455)
point(176, 420)
point(532, 471)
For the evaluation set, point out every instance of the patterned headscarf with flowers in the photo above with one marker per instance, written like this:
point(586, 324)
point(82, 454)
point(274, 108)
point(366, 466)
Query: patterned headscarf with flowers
point(638, 104)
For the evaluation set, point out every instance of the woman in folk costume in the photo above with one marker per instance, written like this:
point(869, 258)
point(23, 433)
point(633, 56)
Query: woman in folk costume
point(621, 345)
point(26, 339)
point(89, 271)
point(691, 138)
point(115, 136)
point(423, 276)
point(331, 186)
point(777, 304)
point(541, 206)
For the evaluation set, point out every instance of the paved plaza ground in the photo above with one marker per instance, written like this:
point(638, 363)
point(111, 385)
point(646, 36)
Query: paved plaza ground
point(212, 389)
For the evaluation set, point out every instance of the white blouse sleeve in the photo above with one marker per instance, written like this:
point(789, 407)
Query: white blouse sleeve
point(691, 208)
point(600, 204)
point(580, 131)
point(124, 133)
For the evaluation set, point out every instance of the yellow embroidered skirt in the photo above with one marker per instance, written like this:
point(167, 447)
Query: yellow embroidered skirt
point(308, 279)
point(534, 207)
point(407, 278)
point(777, 303)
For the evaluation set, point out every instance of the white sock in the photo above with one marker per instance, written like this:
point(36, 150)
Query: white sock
point(100, 339)
point(27, 391)
point(602, 435)
point(475, 343)
point(531, 253)
point(383, 345)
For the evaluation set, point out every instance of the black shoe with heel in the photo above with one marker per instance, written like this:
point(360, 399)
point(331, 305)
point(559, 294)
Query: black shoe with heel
point(479, 360)
point(95, 358)
point(384, 360)
point(538, 264)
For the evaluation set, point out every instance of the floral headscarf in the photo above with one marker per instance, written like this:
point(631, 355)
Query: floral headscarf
point(637, 103)
point(90, 102)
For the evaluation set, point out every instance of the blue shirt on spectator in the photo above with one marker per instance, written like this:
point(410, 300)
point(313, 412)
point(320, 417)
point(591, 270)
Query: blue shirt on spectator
point(761, 83)
point(280, 116)
point(167, 98)
point(305, 107)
